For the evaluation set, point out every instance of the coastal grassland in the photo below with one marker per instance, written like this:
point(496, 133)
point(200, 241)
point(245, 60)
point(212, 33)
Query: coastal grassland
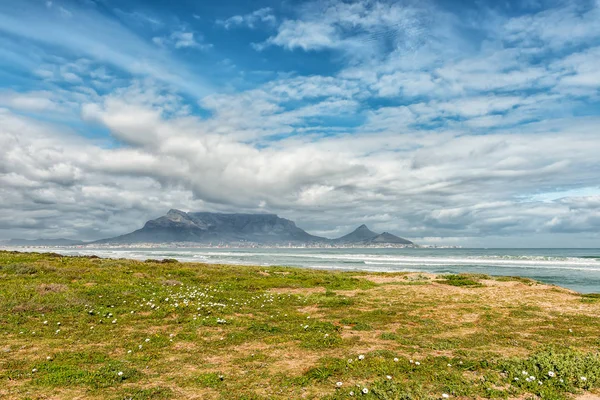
point(83, 327)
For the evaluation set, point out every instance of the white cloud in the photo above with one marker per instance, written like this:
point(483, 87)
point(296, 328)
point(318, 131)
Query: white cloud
point(429, 183)
point(139, 18)
point(355, 28)
point(251, 20)
point(33, 101)
point(571, 23)
point(182, 40)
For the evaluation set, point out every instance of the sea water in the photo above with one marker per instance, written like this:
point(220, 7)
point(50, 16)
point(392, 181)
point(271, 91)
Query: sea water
point(577, 269)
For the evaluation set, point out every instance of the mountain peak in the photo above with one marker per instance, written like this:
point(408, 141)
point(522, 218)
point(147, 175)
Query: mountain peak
point(387, 237)
point(360, 234)
point(175, 212)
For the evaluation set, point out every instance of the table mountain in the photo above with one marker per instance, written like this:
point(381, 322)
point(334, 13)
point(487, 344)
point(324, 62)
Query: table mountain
point(206, 227)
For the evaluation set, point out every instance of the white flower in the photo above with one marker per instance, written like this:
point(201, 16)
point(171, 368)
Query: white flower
point(140, 347)
point(524, 373)
point(339, 384)
point(128, 351)
point(396, 359)
point(539, 382)
point(147, 340)
point(351, 393)
point(516, 379)
point(411, 361)
point(388, 376)
point(34, 370)
point(349, 360)
point(532, 378)
point(583, 378)
point(417, 363)
point(365, 390)
point(571, 330)
point(45, 322)
point(120, 373)
point(48, 358)
point(551, 374)
point(114, 321)
point(449, 365)
point(445, 395)
point(361, 357)
point(561, 381)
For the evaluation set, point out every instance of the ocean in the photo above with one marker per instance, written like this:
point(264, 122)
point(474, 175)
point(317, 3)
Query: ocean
point(577, 269)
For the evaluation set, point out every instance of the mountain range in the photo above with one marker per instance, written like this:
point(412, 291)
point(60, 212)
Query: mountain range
point(207, 227)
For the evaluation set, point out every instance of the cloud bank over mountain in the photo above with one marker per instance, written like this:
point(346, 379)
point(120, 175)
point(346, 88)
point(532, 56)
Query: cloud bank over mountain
point(449, 122)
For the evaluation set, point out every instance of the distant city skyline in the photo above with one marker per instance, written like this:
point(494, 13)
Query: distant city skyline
point(446, 122)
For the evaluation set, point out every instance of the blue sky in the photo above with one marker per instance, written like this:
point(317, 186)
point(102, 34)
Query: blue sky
point(447, 122)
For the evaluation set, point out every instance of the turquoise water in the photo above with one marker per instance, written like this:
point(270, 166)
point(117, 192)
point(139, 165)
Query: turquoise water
point(577, 269)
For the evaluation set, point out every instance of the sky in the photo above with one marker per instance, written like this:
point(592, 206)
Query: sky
point(450, 122)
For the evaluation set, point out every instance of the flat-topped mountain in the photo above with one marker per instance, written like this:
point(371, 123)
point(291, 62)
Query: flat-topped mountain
point(206, 227)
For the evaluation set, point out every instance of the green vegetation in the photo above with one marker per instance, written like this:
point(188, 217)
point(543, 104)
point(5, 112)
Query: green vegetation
point(73, 327)
point(461, 280)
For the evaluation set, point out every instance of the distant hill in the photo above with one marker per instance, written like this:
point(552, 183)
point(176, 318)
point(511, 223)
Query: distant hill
point(363, 235)
point(360, 234)
point(43, 242)
point(387, 237)
point(206, 227)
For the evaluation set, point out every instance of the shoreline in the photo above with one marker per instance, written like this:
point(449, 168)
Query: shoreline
point(357, 271)
point(580, 273)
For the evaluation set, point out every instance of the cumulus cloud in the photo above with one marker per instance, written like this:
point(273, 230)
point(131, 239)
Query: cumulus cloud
point(182, 40)
point(251, 20)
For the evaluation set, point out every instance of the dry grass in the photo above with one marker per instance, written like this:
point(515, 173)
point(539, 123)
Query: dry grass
point(268, 347)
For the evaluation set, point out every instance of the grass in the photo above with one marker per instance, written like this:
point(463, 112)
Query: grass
point(85, 327)
point(464, 280)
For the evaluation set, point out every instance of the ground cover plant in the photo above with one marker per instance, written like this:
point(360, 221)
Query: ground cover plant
point(85, 327)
